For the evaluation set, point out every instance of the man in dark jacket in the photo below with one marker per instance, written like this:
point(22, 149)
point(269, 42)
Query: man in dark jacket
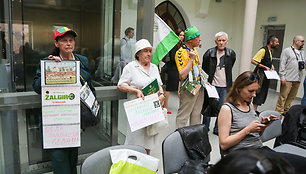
point(218, 63)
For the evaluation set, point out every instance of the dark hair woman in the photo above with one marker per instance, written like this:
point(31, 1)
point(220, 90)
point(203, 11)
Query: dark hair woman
point(171, 69)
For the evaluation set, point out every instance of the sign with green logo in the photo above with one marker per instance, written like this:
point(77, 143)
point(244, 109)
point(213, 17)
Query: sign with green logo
point(60, 96)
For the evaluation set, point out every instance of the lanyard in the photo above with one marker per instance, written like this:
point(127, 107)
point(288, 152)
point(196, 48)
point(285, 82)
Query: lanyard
point(197, 63)
point(187, 48)
point(295, 53)
point(63, 59)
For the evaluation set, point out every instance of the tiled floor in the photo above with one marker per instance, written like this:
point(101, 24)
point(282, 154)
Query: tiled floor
point(214, 141)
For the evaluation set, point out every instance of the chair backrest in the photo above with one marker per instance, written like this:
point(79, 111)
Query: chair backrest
point(274, 130)
point(174, 153)
point(100, 162)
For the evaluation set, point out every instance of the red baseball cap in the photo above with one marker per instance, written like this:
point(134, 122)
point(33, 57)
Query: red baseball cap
point(63, 30)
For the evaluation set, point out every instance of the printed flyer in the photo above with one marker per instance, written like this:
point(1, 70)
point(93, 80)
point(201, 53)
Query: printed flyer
point(60, 95)
point(60, 73)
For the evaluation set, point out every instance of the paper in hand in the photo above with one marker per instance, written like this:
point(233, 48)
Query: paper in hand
point(211, 91)
point(272, 75)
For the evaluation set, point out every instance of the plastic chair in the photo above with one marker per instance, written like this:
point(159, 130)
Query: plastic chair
point(274, 130)
point(174, 153)
point(100, 162)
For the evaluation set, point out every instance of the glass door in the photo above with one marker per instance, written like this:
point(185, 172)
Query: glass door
point(33, 24)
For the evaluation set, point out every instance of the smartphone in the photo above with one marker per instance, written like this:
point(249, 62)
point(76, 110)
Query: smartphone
point(268, 122)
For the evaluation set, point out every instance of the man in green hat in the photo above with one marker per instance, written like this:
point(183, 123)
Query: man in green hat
point(188, 62)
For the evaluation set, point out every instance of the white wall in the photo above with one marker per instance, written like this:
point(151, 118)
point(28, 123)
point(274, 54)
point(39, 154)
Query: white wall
point(290, 13)
point(228, 16)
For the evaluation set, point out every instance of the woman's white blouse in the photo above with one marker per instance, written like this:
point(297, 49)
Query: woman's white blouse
point(134, 75)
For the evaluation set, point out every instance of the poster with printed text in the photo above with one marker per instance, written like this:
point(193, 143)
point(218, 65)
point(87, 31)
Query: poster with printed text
point(60, 95)
point(141, 113)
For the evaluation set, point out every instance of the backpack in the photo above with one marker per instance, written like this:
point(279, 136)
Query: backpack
point(302, 128)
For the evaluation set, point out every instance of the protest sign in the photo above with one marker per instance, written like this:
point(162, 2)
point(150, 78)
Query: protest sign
point(141, 113)
point(61, 136)
point(60, 95)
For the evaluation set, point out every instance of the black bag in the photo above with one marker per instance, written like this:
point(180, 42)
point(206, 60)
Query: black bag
point(194, 167)
point(302, 131)
point(165, 68)
point(87, 116)
point(261, 75)
point(301, 65)
point(210, 106)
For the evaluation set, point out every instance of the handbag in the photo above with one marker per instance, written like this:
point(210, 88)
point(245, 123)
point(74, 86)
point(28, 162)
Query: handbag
point(88, 118)
point(194, 167)
point(89, 107)
point(261, 75)
point(210, 106)
point(155, 128)
point(126, 161)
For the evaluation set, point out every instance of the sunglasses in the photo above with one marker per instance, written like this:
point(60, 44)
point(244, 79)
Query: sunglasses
point(252, 77)
point(301, 40)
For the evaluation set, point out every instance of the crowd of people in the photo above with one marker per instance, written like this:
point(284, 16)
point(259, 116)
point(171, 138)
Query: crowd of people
point(238, 124)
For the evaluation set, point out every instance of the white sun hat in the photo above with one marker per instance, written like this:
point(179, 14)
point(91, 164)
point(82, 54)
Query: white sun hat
point(141, 44)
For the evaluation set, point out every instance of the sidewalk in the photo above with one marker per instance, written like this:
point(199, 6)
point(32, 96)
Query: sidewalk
point(214, 141)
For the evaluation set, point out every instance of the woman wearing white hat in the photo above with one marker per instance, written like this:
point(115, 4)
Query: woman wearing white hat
point(135, 76)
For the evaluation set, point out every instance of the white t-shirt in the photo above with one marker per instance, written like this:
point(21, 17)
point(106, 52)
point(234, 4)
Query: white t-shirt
point(219, 76)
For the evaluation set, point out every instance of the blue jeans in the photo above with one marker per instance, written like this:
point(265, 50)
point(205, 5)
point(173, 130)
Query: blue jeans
point(304, 97)
point(222, 94)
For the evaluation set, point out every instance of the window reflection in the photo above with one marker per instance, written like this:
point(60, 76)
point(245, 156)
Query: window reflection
point(127, 38)
point(89, 19)
point(4, 66)
point(93, 22)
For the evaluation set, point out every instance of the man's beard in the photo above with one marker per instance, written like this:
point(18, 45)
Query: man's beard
point(273, 46)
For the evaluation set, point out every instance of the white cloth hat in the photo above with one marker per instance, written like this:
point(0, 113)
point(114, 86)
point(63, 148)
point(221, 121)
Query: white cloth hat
point(141, 44)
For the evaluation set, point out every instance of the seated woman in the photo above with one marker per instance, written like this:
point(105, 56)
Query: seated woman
point(239, 125)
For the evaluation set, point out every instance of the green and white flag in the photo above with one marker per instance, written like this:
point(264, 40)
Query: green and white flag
point(164, 39)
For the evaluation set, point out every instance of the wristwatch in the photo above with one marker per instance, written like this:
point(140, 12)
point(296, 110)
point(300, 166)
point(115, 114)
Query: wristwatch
point(161, 93)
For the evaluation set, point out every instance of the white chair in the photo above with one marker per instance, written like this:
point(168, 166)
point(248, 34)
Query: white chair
point(100, 162)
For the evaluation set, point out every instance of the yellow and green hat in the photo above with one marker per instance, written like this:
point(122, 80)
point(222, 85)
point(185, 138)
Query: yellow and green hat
point(63, 30)
point(191, 33)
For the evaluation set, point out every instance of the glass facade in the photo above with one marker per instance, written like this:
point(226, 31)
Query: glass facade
point(27, 30)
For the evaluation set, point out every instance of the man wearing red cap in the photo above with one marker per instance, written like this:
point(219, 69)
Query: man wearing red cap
point(64, 160)
point(188, 64)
